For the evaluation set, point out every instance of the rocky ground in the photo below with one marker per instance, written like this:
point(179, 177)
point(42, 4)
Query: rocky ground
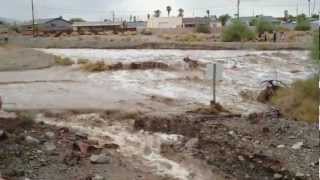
point(260, 146)
point(220, 144)
point(30, 150)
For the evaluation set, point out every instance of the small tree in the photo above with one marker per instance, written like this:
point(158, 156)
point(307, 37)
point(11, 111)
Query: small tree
point(169, 9)
point(157, 13)
point(237, 31)
point(181, 12)
point(224, 19)
point(303, 23)
point(263, 25)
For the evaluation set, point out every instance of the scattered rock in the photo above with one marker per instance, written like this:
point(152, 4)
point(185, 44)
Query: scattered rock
point(71, 158)
point(281, 146)
point(297, 146)
point(49, 146)
point(98, 177)
point(193, 142)
point(100, 159)
point(111, 146)
point(32, 140)
point(3, 135)
point(277, 176)
point(241, 158)
point(300, 175)
point(82, 135)
point(50, 135)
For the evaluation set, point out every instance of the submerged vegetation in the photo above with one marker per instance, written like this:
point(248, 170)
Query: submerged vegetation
point(63, 61)
point(94, 66)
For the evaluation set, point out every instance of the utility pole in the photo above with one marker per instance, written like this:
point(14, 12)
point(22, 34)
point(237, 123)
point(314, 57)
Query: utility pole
point(113, 16)
point(238, 9)
point(309, 1)
point(33, 25)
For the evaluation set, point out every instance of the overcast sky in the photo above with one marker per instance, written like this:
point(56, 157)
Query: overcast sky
point(102, 9)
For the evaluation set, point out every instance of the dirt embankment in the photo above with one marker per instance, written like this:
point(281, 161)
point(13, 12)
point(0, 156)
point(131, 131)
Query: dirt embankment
point(260, 146)
point(146, 42)
point(32, 150)
point(14, 58)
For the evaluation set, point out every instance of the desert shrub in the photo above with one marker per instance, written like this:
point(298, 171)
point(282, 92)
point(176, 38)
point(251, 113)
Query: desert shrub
point(26, 118)
point(94, 66)
point(300, 101)
point(203, 28)
point(282, 29)
point(83, 61)
point(63, 61)
point(263, 26)
point(237, 31)
point(303, 23)
point(190, 38)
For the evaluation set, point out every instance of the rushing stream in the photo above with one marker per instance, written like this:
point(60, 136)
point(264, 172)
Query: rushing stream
point(71, 88)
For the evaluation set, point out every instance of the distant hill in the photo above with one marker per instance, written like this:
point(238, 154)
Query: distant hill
point(8, 20)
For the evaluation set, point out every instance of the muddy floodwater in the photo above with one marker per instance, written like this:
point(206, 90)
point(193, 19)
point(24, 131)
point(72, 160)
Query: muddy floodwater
point(173, 89)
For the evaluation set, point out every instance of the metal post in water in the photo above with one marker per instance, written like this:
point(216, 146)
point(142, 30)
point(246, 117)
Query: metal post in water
point(214, 84)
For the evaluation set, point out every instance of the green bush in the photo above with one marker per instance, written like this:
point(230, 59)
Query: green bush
point(237, 31)
point(303, 26)
point(263, 26)
point(203, 28)
point(303, 23)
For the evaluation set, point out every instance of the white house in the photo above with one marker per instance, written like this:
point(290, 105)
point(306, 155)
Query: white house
point(164, 22)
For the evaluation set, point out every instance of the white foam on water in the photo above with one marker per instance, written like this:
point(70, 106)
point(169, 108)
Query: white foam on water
point(145, 145)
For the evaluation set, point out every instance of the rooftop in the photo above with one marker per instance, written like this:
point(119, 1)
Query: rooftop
point(41, 21)
point(98, 23)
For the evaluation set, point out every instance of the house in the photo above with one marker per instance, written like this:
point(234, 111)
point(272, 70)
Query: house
point(248, 20)
point(96, 27)
point(195, 21)
point(136, 25)
point(49, 25)
point(164, 22)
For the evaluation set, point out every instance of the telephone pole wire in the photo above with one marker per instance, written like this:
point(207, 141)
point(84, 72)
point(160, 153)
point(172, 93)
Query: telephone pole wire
point(33, 24)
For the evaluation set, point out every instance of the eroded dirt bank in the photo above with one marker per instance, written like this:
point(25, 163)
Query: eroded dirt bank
point(261, 146)
point(134, 145)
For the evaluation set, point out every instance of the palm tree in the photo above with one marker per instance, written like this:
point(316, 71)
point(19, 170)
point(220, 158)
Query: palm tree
point(169, 10)
point(181, 12)
point(157, 13)
point(208, 13)
point(224, 18)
